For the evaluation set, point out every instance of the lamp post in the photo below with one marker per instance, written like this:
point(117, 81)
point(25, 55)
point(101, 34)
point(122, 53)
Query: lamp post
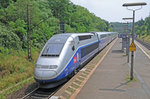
point(132, 53)
point(128, 39)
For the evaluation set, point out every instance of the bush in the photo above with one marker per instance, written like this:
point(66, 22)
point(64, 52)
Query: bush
point(12, 65)
point(8, 39)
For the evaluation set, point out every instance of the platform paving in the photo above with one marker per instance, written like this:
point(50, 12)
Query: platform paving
point(111, 78)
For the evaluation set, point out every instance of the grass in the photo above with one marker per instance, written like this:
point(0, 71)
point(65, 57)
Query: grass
point(128, 79)
point(74, 85)
point(70, 90)
point(81, 78)
point(87, 70)
point(125, 55)
point(83, 75)
point(66, 95)
point(15, 88)
point(78, 82)
point(15, 68)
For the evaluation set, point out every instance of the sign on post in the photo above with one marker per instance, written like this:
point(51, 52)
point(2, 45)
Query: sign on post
point(132, 47)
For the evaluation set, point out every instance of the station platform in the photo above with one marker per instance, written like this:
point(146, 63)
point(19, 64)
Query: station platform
point(111, 78)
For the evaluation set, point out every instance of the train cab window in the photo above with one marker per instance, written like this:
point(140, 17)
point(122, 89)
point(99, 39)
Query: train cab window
point(52, 49)
point(55, 45)
point(85, 37)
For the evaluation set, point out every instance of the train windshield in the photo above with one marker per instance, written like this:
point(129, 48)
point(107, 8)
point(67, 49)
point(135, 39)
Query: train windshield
point(55, 45)
point(53, 49)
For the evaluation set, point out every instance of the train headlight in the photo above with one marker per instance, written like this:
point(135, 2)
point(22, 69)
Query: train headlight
point(46, 66)
point(53, 66)
point(38, 66)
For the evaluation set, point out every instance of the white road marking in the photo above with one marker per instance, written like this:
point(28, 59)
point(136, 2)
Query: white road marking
point(142, 50)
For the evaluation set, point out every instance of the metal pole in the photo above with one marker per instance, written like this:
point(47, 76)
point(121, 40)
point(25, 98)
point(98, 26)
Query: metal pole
point(27, 31)
point(126, 38)
point(128, 44)
point(28, 34)
point(127, 47)
point(132, 53)
point(126, 24)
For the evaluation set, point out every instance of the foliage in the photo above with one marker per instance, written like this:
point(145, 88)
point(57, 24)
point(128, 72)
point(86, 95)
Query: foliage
point(18, 27)
point(5, 94)
point(8, 39)
point(14, 64)
point(117, 26)
point(76, 18)
point(143, 27)
point(5, 3)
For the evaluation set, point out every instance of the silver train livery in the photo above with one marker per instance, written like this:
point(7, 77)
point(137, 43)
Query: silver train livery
point(64, 54)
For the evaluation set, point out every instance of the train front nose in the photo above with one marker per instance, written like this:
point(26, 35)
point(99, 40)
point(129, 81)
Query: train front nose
point(42, 73)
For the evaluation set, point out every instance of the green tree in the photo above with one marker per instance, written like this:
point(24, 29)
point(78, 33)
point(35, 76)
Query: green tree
point(59, 8)
point(18, 27)
point(143, 26)
point(8, 39)
point(5, 3)
point(45, 18)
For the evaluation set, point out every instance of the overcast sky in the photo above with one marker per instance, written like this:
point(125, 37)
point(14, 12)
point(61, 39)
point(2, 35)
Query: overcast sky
point(112, 10)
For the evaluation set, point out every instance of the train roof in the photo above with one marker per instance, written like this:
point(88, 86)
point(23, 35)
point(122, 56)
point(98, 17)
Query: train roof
point(77, 34)
point(74, 34)
point(61, 38)
point(105, 32)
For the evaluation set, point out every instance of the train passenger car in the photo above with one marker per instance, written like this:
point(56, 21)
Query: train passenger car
point(63, 54)
point(103, 39)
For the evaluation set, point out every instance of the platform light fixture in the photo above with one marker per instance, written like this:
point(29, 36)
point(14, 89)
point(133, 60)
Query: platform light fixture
point(134, 4)
point(127, 5)
point(127, 18)
point(128, 39)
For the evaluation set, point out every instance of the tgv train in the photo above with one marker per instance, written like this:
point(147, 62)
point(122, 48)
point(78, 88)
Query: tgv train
point(63, 54)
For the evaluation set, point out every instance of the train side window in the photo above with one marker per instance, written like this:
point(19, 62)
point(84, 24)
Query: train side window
point(103, 36)
point(85, 51)
point(84, 37)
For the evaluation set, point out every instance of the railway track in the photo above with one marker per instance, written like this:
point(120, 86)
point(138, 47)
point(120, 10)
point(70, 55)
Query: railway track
point(147, 45)
point(39, 93)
